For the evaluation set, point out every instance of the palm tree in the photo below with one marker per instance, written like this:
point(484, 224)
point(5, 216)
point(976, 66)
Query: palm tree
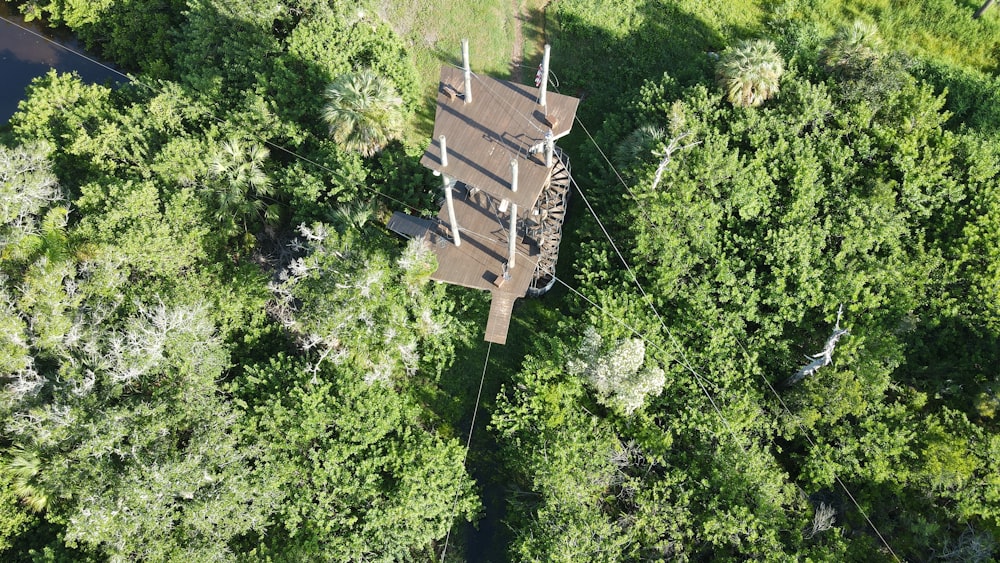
point(750, 72)
point(239, 181)
point(363, 111)
point(853, 49)
point(23, 468)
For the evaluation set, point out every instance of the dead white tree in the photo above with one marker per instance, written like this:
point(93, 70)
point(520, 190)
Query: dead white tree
point(825, 357)
point(823, 519)
point(668, 152)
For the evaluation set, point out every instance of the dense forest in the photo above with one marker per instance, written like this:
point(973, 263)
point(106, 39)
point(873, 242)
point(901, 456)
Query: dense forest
point(776, 334)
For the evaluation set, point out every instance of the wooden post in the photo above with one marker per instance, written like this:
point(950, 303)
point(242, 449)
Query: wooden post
point(448, 183)
point(444, 152)
point(513, 174)
point(549, 149)
point(512, 237)
point(468, 71)
point(545, 77)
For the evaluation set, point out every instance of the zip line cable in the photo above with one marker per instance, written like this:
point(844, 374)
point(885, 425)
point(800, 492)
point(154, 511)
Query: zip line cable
point(468, 443)
point(813, 444)
point(699, 379)
point(489, 348)
point(684, 362)
point(75, 52)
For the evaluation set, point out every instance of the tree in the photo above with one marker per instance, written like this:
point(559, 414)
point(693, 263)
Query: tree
point(238, 183)
point(853, 49)
point(617, 373)
point(362, 479)
point(354, 306)
point(363, 112)
point(130, 422)
point(750, 72)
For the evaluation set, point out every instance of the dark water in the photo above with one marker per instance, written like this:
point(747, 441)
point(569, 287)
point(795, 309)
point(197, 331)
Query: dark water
point(23, 56)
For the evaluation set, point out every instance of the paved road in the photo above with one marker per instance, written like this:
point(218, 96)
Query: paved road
point(24, 56)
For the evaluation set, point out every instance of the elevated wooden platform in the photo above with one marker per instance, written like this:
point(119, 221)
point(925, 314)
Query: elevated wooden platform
point(499, 123)
point(479, 262)
point(503, 122)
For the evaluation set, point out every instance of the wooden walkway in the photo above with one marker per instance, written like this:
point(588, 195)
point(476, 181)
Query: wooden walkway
point(479, 262)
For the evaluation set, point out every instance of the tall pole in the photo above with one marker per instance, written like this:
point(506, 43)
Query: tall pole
point(444, 152)
point(549, 148)
point(468, 71)
point(512, 236)
point(448, 183)
point(513, 174)
point(545, 77)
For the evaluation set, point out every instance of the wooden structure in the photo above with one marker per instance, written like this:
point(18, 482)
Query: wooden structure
point(505, 187)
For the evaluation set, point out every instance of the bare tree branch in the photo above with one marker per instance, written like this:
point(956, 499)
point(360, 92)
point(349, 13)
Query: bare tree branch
point(825, 357)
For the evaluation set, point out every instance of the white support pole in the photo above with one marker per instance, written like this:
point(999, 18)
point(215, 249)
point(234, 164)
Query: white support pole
point(468, 71)
point(549, 148)
point(512, 237)
point(513, 174)
point(545, 77)
point(448, 183)
point(444, 152)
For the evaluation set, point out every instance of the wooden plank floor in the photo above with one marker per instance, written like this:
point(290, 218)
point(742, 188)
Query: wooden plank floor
point(478, 262)
point(502, 122)
point(498, 324)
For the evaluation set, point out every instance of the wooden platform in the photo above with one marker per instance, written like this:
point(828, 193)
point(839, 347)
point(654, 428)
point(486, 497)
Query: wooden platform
point(409, 226)
point(498, 324)
point(503, 122)
point(479, 261)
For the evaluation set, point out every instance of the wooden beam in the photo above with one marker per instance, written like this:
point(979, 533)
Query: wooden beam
point(512, 237)
point(452, 223)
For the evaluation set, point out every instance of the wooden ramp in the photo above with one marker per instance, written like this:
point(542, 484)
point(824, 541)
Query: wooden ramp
point(409, 226)
point(499, 321)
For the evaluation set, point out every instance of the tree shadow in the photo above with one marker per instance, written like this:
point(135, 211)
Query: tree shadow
point(954, 362)
point(608, 70)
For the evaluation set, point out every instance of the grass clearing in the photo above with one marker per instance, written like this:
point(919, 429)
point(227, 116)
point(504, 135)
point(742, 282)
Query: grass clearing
point(937, 29)
point(433, 31)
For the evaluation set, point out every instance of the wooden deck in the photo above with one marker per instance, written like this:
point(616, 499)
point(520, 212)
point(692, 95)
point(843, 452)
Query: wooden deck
point(498, 324)
point(479, 261)
point(503, 122)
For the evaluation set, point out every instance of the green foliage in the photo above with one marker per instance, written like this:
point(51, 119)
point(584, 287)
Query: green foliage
point(616, 373)
point(14, 518)
point(237, 182)
point(362, 479)
point(356, 308)
point(853, 49)
point(363, 112)
point(851, 191)
point(147, 368)
point(750, 72)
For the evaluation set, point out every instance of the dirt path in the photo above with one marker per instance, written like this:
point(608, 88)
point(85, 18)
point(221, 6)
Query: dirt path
point(517, 53)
